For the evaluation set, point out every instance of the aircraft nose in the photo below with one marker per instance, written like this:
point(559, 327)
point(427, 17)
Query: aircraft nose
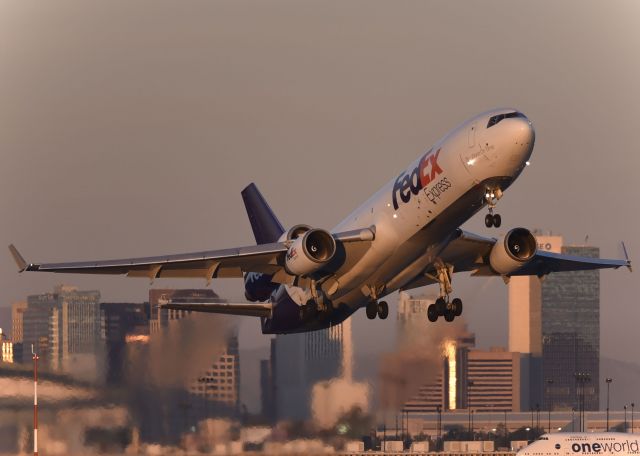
point(523, 132)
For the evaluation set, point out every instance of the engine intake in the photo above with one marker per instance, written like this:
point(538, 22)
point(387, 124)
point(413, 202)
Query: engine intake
point(310, 252)
point(513, 251)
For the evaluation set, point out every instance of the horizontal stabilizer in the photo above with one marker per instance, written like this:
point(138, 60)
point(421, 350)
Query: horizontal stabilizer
point(248, 309)
point(22, 265)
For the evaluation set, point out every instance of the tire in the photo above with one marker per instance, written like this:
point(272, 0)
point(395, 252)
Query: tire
point(457, 306)
point(440, 305)
point(383, 310)
point(488, 220)
point(497, 220)
point(372, 310)
point(432, 313)
point(449, 315)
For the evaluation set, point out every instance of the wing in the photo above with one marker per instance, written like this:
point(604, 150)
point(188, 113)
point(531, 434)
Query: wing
point(470, 252)
point(250, 310)
point(546, 262)
point(264, 258)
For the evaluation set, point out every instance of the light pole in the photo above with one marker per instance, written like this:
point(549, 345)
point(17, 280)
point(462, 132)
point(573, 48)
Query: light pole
point(608, 380)
point(625, 417)
point(532, 417)
point(581, 379)
point(439, 410)
point(632, 405)
point(537, 417)
point(506, 430)
point(549, 383)
point(473, 437)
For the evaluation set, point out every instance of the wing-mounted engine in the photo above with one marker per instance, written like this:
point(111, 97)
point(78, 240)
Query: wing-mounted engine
point(513, 251)
point(310, 250)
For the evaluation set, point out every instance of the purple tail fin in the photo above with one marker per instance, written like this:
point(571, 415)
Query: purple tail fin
point(266, 226)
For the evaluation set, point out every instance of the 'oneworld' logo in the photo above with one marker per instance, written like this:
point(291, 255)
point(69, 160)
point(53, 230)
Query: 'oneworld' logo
point(607, 447)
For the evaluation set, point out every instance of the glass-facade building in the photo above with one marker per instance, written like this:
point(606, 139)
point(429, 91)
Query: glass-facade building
point(571, 336)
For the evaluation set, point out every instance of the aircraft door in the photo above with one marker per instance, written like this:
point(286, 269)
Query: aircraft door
point(472, 135)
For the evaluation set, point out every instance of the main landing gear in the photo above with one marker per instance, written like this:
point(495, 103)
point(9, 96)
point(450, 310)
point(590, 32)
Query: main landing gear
point(379, 309)
point(492, 197)
point(443, 307)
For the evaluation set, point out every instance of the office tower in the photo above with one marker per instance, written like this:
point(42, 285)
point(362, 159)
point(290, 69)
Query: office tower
point(299, 362)
point(122, 324)
point(75, 336)
point(6, 348)
point(64, 329)
point(571, 336)
point(525, 305)
point(17, 312)
point(493, 380)
point(219, 385)
point(525, 326)
point(36, 320)
point(555, 323)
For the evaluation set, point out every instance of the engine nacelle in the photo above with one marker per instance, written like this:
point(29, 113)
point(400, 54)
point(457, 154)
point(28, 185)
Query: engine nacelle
point(309, 252)
point(513, 251)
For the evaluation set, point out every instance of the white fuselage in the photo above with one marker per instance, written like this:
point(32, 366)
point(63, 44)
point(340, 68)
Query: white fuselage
point(583, 444)
point(416, 211)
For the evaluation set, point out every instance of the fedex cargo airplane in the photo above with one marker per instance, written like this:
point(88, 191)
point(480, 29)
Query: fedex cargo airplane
point(407, 235)
point(579, 444)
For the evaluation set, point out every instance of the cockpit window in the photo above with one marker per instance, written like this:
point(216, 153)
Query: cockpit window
point(495, 119)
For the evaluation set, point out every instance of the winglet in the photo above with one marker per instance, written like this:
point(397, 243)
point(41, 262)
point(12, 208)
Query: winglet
point(626, 256)
point(22, 265)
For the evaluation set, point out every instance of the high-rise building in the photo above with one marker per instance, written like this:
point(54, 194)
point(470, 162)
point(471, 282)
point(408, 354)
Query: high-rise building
point(300, 361)
point(493, 380)
point(122, 323)
point(555, 323)
point(64, 328)
point(6, 348)
point(36, 321)
point(220, 383)
point(17, 311)
point(571, 336)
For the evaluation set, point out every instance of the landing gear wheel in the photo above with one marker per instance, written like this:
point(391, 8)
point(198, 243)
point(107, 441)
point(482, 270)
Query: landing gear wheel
point(457, 306)
point(449, 315)
point(497, 220)
point(383, 310)
point(440, 305)
point(372, 310)
point(432, 313)
point(488, 220)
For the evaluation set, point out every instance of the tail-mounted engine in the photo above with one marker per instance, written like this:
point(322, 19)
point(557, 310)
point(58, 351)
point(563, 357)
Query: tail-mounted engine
point(513, 251)
point(309, 251)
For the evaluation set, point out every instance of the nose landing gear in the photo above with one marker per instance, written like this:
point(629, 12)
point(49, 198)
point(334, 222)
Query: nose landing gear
point(492, 197)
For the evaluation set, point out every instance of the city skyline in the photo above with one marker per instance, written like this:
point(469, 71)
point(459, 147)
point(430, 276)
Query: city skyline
point(93, 181)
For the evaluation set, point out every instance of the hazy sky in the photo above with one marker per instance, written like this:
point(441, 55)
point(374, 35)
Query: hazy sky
point(129, 128)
